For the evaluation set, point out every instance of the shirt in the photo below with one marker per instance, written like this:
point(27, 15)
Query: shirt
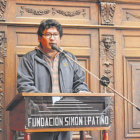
point(54, 68)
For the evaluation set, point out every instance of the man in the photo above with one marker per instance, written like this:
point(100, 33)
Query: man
point(46, 70)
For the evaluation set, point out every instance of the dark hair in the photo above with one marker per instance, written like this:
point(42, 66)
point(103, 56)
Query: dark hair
point(46, 24)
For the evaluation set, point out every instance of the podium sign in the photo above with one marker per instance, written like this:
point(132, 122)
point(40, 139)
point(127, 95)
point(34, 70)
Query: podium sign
point(45, 112)
point(67, 112)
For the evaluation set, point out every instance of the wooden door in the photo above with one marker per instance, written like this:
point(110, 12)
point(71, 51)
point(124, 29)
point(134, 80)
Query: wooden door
point(104, 36)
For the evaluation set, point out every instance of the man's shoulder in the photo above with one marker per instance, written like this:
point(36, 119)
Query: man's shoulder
point(33, 52)
point(30, 55)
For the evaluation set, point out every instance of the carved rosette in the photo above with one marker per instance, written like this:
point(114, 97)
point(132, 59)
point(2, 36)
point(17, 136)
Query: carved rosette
point(2, 57)
point(107, 12)
point(2, 9)
point(107, 54)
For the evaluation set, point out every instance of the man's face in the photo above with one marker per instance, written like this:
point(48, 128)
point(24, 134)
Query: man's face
point(50, 36)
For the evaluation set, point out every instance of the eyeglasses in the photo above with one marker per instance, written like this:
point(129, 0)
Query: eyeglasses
point(49, 35)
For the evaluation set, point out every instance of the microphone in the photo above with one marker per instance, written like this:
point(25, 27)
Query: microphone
point(104, 80)
point(54, 47)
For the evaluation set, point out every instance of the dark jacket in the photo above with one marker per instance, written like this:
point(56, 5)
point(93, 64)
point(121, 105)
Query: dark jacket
point(34, 74)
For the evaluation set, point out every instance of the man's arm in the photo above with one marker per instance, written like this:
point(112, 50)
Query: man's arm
point(25, 76)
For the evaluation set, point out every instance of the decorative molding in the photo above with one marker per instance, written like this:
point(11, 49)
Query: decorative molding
point(1, 77)
point(53, 11)
point(107, 54)
point(129, 14)
point(107, 47)
point(107, 13)
point(107, 0)
point(131, 91)
point(3, 50)
point(34, 11)
point(68, 13)
point(110, 109)
point(2, 9)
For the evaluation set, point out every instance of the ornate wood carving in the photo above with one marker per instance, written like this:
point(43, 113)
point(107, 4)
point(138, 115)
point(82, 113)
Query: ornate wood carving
point(34, 11)
point(129, 15)
point(52, 11)
point(107, 53)
point(2, 8)
point(131, 91)
point(107, 0)
point(3, 48)
point(110, 109)
point(2, 57)
point(68, 13)
point(107, 13)
point(107, 48)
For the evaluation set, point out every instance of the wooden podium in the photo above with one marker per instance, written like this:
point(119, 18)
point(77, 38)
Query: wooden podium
point(51, 112)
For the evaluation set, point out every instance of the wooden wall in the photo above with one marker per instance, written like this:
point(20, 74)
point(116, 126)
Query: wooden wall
point(103, 34)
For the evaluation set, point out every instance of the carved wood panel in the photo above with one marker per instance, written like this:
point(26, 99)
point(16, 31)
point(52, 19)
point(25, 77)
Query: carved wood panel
point(107, 55)
point(132, 80)
point(3, 54)
point(126, 79)
point(128, 15)
point(2, 9)
point(67, 12)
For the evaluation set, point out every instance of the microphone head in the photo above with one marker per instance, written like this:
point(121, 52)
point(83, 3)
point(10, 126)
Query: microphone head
point(54, 47)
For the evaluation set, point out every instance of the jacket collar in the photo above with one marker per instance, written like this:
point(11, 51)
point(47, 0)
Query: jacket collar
point(39, 53)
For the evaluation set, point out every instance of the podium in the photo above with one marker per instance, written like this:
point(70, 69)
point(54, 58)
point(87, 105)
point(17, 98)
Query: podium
point(55, 112)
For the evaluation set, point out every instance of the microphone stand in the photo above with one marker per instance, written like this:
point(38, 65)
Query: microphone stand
point(104, 80)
